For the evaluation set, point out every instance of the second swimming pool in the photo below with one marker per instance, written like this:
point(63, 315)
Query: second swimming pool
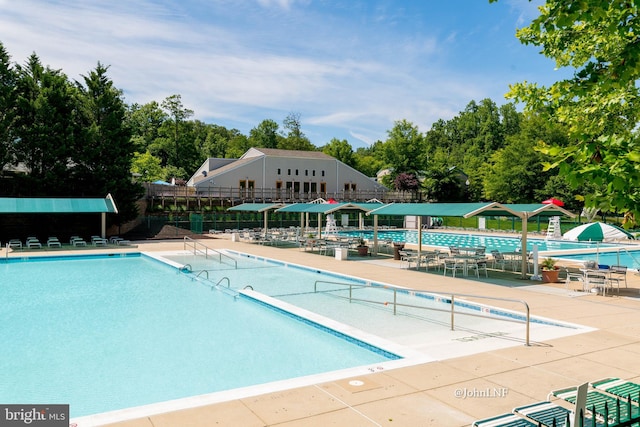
point(499, 243)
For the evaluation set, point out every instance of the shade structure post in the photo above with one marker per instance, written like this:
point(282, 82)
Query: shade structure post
point(319, 225)
point(103, 225)
point(266, 223)
point(419, 242)
point(523, 250)
point(375, 235)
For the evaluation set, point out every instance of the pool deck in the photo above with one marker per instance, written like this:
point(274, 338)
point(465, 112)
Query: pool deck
point(432, 394)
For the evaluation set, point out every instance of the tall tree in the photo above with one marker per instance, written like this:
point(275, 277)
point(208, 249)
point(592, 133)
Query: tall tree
point(341, 150)
point(7, 109)
point(599, 103)
point(47, 127)
point(145, 122)
point(103, 158)
point(404, 149)
point(265, 135)
point(178, 113)
point(294, 138)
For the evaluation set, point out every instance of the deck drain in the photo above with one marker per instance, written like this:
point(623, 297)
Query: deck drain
point(356, 383)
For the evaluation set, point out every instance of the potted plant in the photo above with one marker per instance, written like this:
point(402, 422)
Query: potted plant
point(363, 249)
point(550, 270)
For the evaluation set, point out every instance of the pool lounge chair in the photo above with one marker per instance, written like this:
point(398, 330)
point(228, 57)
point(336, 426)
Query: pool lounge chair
point(53, 242)
point(548, 414)
point(596, 401)
point(77, 241)
point(98, 241)
point(15, 244)
point(33, 243)
point(620, 388)
point(504, 420)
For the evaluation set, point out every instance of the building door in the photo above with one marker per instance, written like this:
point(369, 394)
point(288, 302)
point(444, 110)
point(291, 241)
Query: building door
point(251, 189)
point(289, 190)
point(278, 190)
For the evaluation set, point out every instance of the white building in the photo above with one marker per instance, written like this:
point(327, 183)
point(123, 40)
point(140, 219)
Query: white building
point(282, 174)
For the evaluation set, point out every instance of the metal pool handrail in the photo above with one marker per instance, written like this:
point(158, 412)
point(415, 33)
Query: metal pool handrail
point(423, 291)
point(188, 241)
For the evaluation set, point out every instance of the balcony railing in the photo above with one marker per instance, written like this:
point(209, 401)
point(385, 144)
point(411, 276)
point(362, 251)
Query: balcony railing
point(237, 195)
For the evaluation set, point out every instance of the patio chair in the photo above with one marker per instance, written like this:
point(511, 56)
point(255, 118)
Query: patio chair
point(504, 420)
point(53, 242)
point(452, 265)
point(597, 279)
point(573, 276)
point(618, 273)
point(432, 259)
point(482, 265)
point(498, 259)
point(408, 257)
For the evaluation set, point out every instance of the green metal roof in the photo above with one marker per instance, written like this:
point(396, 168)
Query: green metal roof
point(470, 209)
point(327, 208)
point(429, 209)
point(13, 205)
point(255, 207)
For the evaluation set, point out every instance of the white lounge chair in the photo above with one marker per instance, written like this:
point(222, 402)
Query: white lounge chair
point(15, 244)
point(99, 241)
point(53, 242)
point(33, 243)
point(77, 241)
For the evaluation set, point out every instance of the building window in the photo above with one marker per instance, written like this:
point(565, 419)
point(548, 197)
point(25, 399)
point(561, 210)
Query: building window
point(278, 171)
point(288, 171)
point(306, 172)
point(296, 172)
point(322, 173)
point(313, 172)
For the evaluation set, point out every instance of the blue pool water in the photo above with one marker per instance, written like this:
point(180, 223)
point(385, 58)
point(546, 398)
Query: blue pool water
point(106, 333)
point(629, 258)
point(500, 243)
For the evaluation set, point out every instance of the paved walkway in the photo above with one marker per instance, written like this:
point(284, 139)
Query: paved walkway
point(452, 392)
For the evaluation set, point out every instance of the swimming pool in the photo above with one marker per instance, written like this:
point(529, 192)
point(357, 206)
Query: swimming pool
point(630, 258)
point(101, 316)
point(500, 243)
point(104, 333)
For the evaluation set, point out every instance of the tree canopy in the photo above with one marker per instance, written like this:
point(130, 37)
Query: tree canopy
point(598, 105)
point(67, 133)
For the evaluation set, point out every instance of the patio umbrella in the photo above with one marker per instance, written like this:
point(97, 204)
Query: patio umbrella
point(596, 232)
point(553, 201)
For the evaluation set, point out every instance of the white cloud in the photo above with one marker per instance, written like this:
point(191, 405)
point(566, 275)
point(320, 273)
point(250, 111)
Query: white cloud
point(232, 64)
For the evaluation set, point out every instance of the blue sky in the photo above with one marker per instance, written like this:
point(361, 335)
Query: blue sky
point(350, 68)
